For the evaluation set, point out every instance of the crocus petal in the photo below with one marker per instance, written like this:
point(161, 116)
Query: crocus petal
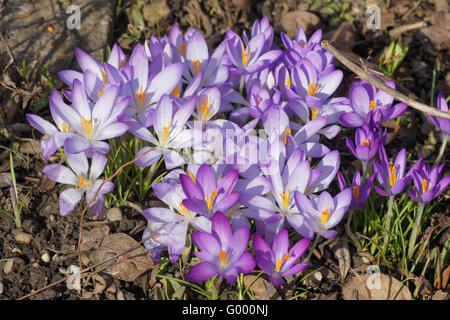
point(76, 144)
point(201, 272)
point(221, 228)
point(177, 241)
point(112, 130)
point(60, 173)
point(351, 119)
point(41, 124)
point(69, 199)
point(149, 158)
point(281, 243)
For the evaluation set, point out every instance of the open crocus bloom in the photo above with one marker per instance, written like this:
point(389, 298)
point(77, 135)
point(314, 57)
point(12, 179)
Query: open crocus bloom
point(427, 181)
point(364, 98)
point(322, 213)
point(84, 178)
point(279, 261)
point(169, 121)
point(222, 251)
point(206, 195)
point(392, 178)
point(91, 125)
point(366, 143)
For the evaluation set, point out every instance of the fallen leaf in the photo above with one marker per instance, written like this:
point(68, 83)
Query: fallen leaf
point(342, 254)
point(381, 287)
point(92, 238)
point(259, 287)
point(445, 277)
point(128, 266)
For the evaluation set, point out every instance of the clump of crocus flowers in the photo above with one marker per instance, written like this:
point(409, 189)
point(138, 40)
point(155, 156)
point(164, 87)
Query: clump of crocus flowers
point(259, 164)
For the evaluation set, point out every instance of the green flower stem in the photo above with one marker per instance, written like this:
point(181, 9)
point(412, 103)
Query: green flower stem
point(412, 242)
point(388, 222)
point(441, 151)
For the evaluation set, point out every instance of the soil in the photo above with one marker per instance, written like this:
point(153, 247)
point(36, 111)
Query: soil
point(53, 248)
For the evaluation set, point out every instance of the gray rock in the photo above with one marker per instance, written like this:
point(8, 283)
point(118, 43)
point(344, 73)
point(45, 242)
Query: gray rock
point(44, 33)
point(114, 214)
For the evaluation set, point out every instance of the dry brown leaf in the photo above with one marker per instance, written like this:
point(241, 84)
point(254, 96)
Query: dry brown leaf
point(291, 21)
point(445, 277)
point(384, 287)
point(259, 287)
point(128, 266)
point(91, 239)
point(342, 254)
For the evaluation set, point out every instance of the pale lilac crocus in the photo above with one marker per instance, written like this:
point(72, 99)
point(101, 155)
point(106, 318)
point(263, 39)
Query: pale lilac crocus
point(206, 194)
point(169, 121)
point(84, 178)
point(91, 125)
point(177, 215)
point(364, 98)
point(278, 260)
point(322, 213)
point(222, 251)
point(360, 190)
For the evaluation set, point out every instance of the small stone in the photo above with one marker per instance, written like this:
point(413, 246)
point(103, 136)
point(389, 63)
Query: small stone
point(1, 287)
point(440, 295)
point(114, 214)
point(293, 20)
point(365, 260)
point(46, 257)
point(8, 266)
point(23, 237)
point(318, 276)
point(85, 260)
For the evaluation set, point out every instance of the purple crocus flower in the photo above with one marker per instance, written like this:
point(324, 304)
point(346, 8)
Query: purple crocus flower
point(367, 142)
point(223, 253)
point(84, 178)
point(392, 178)
point(177, 215)
point(322, 213)
point(364, 98)
point(251, 57)
point(279, 261)
point(442, 123)
point(169, 121)
point(90, 125)
point(206, 195)
point(427, 182)
point(360, 191)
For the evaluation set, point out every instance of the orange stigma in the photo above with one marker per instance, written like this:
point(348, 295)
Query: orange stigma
point(196, 67)
point(246, 56)
point(392, 175)
point(366, 143)
point(224, 257)
point(285, 135)
point(314, 113)
point(356, 192)
point(280, 262)
point(87, 126)
point(372, 104)
point(210, 200)
point(325, 214)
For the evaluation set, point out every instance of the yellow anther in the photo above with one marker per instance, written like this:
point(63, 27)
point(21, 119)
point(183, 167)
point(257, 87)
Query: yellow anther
point(286, 196)
point(366, 143)
point(166, 131)
point(210, 200)
point(325, 214)
point(285, 135)
point(204, 108)
point(224, 257)
point(356, 192)
point(287, 82)
point(313, 88)
point(372, 104)
point(425, 185)
point(314, 113)
point(280, 262)
point(246, 56)
point(141, 96)
point(87, 126)
point(392, 175)
point(196, 66)
point(182, 209)
point(65, 127)
point(176, 91)
point(83, 182)
point(121, 63)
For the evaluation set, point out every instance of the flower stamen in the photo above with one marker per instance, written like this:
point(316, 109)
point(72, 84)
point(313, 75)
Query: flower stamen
point(314, 113)
point(392, 176)
point(182, 50)
point(366, 143)
point(196, 67)
point(325, 214)
point(356, 192)
point(166, 131)
point(83, 183)
point(141, 97)
point(285, 135)
point(224, 257)
point(246, 56)
point(204, 108)
point(87, 126)
point(313, 88)
point(425, 185)
point(280, 262)
point(286, 196)
point(65, 127)
point(372, 104)
point(182, 209)
point(210, 200)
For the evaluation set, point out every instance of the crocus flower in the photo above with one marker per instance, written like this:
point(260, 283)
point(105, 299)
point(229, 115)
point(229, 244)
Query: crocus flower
point(278, 260)
point(364, 98)
point(322, 213)
point(366, 144)
point(169, 121)
point(428, 183)
point(360, 191)
point(442, 123)
point(205, 194)
point(392, 178)
point(177, 216)
point(223, 253)
point(84, 178)
point(90, 125)
point(251, 57)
